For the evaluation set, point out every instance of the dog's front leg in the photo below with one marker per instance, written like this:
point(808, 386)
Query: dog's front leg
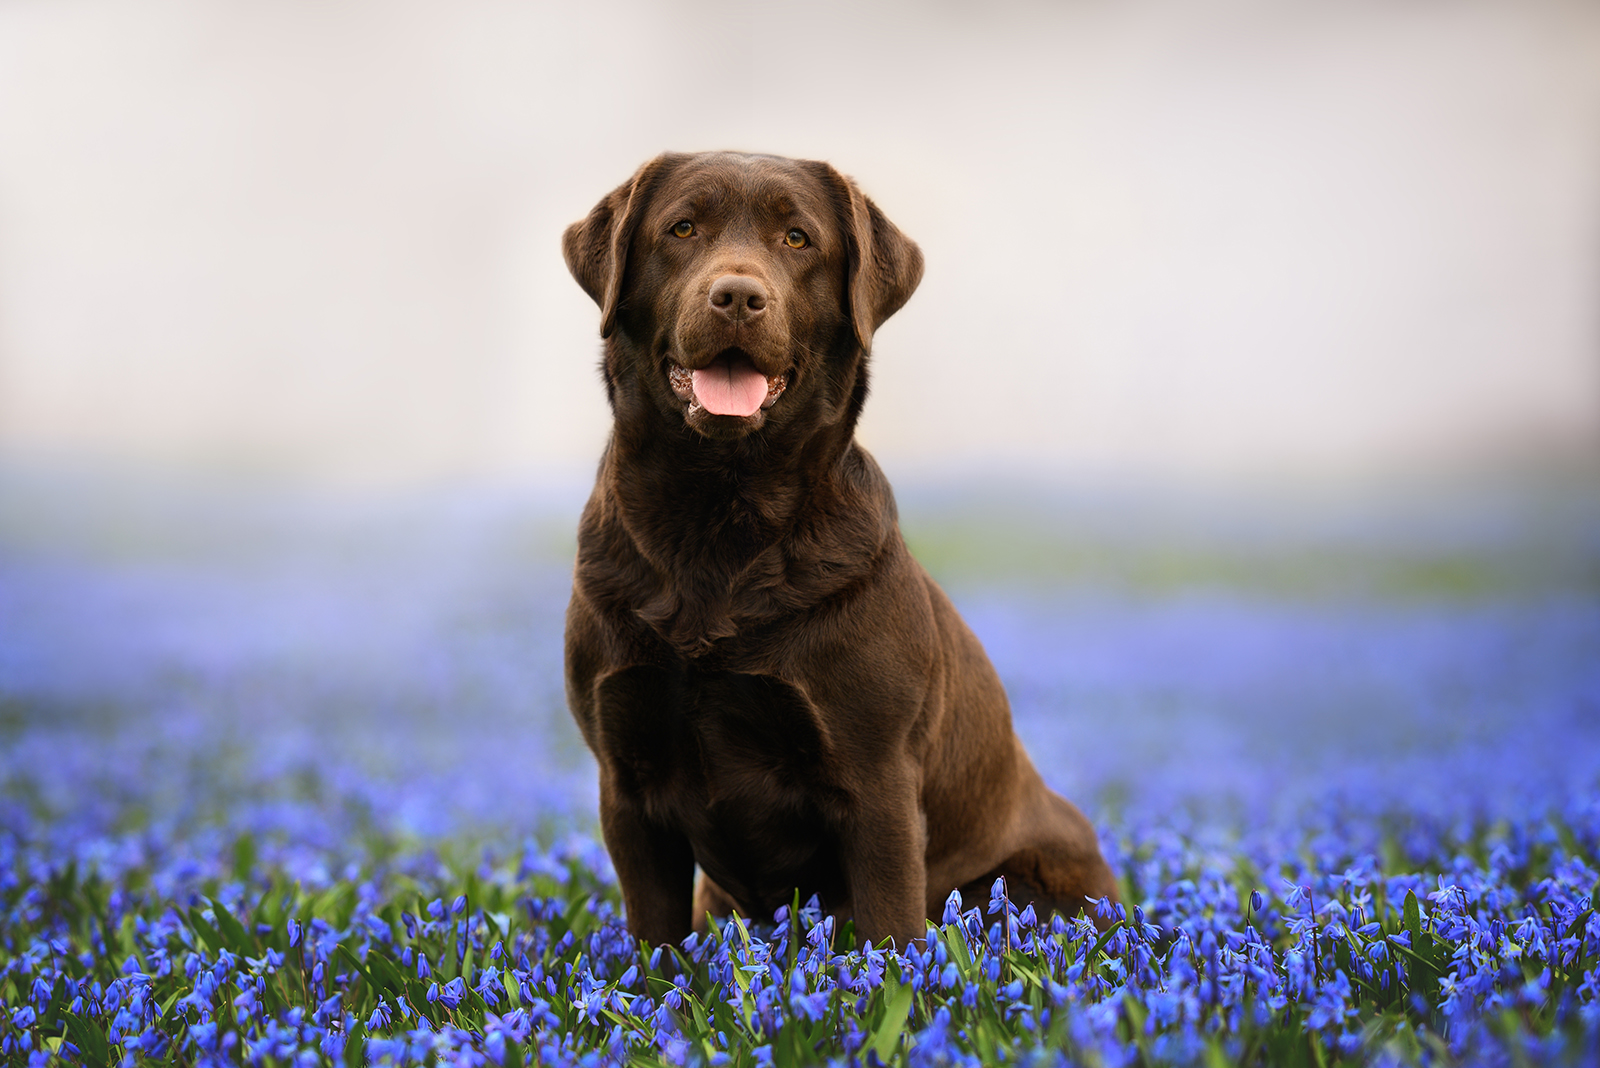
point(885, 842)
point(655, 867)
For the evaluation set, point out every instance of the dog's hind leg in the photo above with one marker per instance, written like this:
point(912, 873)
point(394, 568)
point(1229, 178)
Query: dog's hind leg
point(1057, 866)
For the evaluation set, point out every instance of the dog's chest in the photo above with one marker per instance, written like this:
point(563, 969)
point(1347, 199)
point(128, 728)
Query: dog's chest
point(720, 755)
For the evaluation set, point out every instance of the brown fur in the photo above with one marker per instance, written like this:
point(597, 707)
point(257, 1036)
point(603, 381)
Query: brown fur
point(773, 688)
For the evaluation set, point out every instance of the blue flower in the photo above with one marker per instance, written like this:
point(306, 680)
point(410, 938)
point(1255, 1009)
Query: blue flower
point(451, 993)
point(952, 908)
point(998, 901)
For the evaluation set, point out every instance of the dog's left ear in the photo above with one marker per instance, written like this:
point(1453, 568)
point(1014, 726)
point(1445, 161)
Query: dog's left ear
point(596, 249)
point(885, 264)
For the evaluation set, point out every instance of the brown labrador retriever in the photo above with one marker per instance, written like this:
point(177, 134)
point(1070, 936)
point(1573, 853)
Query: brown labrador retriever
point(773, 688)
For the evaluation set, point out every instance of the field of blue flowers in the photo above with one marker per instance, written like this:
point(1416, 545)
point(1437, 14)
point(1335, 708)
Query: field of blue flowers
point(288, 779)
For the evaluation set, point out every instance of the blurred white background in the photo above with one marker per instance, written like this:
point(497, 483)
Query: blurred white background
point(1325, 238)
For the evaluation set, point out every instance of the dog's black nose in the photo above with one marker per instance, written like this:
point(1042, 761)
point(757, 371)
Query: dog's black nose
point(739, 297)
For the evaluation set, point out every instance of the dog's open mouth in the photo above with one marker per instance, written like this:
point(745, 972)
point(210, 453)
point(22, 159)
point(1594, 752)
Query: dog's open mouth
point(731, 384)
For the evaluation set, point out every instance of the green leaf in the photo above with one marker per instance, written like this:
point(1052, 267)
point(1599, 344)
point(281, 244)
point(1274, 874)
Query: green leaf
point(88, 1038)
point(343, 953)
point(1135, 1014)
point(207, 933)
point(126, 936)
point(385, 973)
point(240, 940)
point(1104, 938)
point(744, 932)
point(794, 929)
point(697, 1011)
point(897, 1007)
point(1412, 919)
point(244, 857)
point(1316, 1050)
point(449, 966)
point(957, 945)
point(1020, 963)
point(355, 1047)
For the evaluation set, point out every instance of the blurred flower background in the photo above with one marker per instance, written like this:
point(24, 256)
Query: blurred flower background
point(1250, 409)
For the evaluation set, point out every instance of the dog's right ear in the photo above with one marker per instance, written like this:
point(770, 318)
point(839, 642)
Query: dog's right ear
point(596, 249)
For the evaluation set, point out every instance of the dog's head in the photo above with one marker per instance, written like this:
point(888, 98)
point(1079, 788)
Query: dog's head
point(735, 290)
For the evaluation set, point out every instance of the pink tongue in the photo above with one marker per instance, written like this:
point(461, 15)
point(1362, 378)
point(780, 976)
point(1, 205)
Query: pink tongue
point(730, 386)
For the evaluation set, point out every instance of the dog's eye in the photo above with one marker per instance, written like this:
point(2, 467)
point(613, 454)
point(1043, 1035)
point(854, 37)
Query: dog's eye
point(683, 228)
point(797, 239)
